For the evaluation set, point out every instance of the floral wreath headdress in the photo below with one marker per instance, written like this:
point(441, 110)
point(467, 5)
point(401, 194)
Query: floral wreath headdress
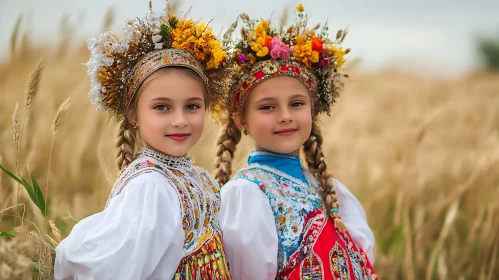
point(264, 52)
point(118, 66)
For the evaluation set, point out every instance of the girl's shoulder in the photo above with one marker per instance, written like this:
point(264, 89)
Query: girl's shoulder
point(138, 173)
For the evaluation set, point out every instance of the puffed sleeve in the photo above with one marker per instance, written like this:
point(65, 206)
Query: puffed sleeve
point(138, 236)
point(353, 215)
point(248, 230)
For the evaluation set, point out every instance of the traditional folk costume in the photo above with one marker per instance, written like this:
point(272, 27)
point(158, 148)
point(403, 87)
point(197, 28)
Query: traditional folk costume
point(160, 221)
point(273, 216)
point(273, 206)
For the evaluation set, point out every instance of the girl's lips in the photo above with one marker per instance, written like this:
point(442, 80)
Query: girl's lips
point(286, 132)
point(180, 137)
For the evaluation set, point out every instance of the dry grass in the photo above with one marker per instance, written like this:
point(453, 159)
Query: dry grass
point(421, 154)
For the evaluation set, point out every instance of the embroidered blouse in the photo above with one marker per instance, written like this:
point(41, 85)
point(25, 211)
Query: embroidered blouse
point(159, 223)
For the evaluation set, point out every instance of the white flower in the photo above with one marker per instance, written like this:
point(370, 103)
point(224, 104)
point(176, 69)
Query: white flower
point(129, 28)
point(158, 46)
point(156, 31)
point(156, 38)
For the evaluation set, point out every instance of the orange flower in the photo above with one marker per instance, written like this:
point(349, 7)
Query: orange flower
point(317, 44)
point(304, 53)
point(267, 41)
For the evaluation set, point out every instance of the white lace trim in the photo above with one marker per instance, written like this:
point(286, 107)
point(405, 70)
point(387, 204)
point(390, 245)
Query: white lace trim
point(167, 161)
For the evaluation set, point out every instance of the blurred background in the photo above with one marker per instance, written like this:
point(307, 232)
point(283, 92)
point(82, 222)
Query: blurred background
point(415, 134)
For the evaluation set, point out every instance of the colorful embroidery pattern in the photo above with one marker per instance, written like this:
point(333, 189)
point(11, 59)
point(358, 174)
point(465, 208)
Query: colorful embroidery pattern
point(292, 202)
point(199, 197)
point(207, 263)
point(357, 258)
point(339, 262)
point(312, 268)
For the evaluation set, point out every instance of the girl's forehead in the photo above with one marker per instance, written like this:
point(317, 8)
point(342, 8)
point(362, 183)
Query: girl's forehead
point(279, 87)
point(174, 89)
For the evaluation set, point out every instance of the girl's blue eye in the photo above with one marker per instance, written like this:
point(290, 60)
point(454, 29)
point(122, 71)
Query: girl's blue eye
point(266, 108)
point(297, 104)
point(161, 107)
point(192, 106)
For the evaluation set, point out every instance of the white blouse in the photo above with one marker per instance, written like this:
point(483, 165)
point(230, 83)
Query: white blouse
point(250, 234)
point(138, 236)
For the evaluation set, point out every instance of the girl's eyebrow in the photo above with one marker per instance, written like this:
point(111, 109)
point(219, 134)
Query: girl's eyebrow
point(266, 99)
point(195, 99)
point(269, 99)
point(166, 99)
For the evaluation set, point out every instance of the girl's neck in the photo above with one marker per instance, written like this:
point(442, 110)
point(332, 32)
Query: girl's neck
point(147, 146)
point(295, 153)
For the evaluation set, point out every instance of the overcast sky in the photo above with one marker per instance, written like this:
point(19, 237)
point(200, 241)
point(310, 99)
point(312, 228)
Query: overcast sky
point(439, 35)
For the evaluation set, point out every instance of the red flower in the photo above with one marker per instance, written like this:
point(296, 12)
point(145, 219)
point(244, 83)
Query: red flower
point(268, 39)
point(317, 44)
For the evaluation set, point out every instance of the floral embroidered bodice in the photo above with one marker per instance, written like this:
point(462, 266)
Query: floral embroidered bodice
point(199, 196)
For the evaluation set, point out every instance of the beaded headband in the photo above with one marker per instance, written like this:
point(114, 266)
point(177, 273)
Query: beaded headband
point(156, 60)
point(264, 52)
point(118, 66)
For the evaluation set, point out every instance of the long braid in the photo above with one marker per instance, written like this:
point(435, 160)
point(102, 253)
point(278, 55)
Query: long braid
point(317, 165)
point(125, 144)
point(226, 146)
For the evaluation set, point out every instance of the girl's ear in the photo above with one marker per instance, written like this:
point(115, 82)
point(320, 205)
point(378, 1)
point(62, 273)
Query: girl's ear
point(131, 117)
point(238, 121)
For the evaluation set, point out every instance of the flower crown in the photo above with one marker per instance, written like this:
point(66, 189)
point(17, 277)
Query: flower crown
point(263, 52)
point(118, 66)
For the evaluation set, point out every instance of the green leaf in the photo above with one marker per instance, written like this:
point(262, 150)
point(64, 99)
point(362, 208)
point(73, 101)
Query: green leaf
point(34, 192)
point(28, 188)
point(9, 233)
point(40, 201)
point(11, 174)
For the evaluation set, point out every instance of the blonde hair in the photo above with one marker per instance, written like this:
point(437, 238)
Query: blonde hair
point(126, 141)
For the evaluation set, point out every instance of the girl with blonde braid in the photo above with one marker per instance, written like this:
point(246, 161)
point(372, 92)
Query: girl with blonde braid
point(279, 219)
point(160, 221)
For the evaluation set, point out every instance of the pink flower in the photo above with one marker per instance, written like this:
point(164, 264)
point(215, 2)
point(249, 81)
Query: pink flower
point(323, 60)
point(278, 49)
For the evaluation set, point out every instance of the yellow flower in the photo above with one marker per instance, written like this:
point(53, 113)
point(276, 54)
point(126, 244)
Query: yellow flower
point(217, 54)
point(261, 29)
point(303, 52)
point(340, 53)
point(199, 29)
point(259, 47)
point(300, 8)
point(183, 35)
point(315, 57)
point(300, 39)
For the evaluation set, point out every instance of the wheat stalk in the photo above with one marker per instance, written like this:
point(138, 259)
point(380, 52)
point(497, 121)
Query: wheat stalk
point(56, 124)
point(33, 85)
point(15, 138)
point(59, 117)
point(16, 123)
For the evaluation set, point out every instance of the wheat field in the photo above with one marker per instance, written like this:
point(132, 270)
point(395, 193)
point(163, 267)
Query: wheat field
point(421, 154)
